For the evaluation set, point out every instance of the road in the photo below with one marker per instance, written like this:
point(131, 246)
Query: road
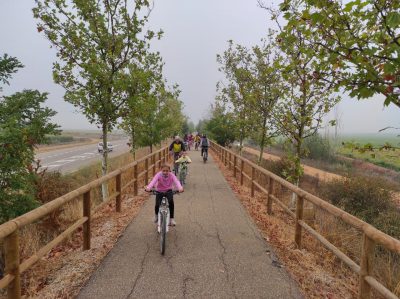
point(215, 251)
point(71, 159)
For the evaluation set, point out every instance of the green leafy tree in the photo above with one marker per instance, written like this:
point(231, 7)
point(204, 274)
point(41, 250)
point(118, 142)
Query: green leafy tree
point(143, 79)
point(24, 123)
point(96, 42)
point(306, 96)
point(221, 127)
point(359, 39)
point(265, 92)
point(201, 125)
point(235, 94)
point(161, 118)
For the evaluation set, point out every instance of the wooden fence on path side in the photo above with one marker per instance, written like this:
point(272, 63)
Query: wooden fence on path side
point(371, 238)
point(9, 231)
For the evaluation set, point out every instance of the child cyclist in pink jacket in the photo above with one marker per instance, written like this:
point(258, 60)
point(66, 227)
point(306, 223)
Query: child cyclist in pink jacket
point(164, 182)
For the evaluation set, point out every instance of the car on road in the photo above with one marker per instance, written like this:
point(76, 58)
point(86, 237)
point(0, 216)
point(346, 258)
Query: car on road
point(110, 147)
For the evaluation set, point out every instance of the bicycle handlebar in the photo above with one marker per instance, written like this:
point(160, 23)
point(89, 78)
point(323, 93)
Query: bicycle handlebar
point(155, 192)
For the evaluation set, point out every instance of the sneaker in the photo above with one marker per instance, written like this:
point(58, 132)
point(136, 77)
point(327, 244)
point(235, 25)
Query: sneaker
point(172, 222)
point(155, 219)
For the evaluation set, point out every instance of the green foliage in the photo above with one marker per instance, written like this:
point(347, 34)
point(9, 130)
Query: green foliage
point(24, 123)
point(366, 198)
point(319, 148)
point(201, 125)
point(221, 126)
point(307, 97)
point(60, 139)
point(101, 46)
point(234, 94)
point(359, 40)
point(8, 66)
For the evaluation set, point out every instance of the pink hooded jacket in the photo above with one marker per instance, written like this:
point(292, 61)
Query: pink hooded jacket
point(164, 184)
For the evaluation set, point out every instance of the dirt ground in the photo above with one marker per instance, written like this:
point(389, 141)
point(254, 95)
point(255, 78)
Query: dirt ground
point(315, 172)
point(308, 170)
point(65, 269)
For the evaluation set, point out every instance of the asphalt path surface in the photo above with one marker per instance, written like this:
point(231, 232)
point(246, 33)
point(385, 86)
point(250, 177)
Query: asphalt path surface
point(215, 251)
point(71, 159)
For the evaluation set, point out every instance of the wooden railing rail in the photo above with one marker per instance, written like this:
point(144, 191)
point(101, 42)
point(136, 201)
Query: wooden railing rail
point(9, 231)
point(371, 235)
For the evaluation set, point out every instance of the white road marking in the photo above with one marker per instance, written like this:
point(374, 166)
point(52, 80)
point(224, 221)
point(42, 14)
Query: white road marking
point(66, 160)
point(51, 166)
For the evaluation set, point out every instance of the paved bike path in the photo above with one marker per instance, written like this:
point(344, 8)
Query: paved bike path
point(215, 251)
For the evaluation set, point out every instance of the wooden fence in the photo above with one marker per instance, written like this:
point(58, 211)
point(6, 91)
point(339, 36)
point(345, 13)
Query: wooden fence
point(371, 236)
point(9, 231)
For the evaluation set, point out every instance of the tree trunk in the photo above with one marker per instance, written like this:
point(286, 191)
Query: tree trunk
point(297, 170)
point(104, 163)
point(133, 145)
point(241, 138)
point(262, 142)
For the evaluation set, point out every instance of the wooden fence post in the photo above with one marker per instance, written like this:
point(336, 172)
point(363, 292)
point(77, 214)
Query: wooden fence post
point(234, 166)
point(159, 160)
point(367, 257)
point(135, 182)
point(154, 164)
point(86, 225)
point(229, 161)
point(299, 216)
point(225, 158)
point(269, 195)
point(146, 168)
point(11, 252)
point(253, 172)
point(241, 172)
point(118, 190)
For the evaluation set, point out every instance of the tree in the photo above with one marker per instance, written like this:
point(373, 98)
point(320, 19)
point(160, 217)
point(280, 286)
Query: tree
point(96, 42)
point(221, 125)
point(144, 79)
point(265, 92)
point(359, 39)
point(306, 96)
point(161, 118)
point(235, 64)
point(24, 123)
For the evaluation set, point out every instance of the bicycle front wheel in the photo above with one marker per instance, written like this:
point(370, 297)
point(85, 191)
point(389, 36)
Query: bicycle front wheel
point(163, 232)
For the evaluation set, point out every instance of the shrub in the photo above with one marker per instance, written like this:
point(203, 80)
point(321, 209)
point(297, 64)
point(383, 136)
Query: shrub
point(366, 198)
point(318, 148)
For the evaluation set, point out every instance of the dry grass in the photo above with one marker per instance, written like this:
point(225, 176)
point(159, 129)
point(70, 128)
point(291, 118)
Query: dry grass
point(343, 236)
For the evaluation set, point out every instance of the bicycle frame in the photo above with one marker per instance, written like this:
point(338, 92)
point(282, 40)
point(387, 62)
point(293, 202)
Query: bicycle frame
point(164, 209)
point(163, 218)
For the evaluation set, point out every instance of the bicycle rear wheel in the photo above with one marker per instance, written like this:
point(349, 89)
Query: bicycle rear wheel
point(163, 232)
point(205, 157)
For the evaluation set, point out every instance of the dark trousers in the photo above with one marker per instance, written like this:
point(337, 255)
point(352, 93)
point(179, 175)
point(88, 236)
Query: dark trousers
point(204, 149)
point(170, 197)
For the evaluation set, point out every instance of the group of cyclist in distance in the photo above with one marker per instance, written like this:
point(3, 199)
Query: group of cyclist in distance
point(165, 180)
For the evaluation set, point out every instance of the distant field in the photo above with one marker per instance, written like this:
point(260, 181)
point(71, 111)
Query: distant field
point(375, 139)
point(385, 158)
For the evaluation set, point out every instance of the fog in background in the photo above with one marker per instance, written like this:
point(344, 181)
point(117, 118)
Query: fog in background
point(195, 31)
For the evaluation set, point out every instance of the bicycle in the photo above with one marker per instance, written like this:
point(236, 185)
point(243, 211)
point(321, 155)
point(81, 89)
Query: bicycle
point(183, 170)
point(163, 217)
point(205, 154)
point(196, 145)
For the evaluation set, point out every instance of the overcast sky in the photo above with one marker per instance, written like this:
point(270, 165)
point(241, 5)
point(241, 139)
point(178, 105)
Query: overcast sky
point(195, 31)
